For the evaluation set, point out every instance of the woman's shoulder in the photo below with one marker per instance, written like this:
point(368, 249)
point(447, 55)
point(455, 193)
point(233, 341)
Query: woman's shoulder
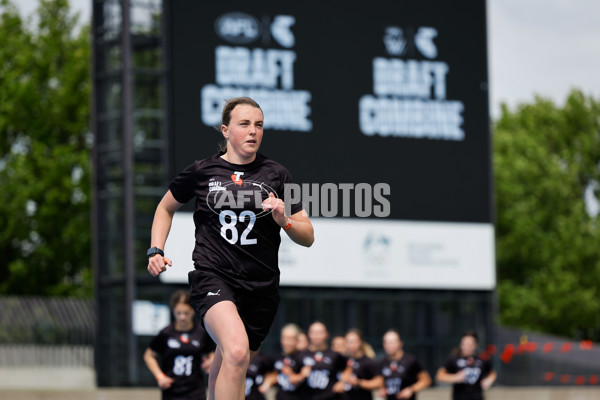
point(198, 165)
point(215, 159)
point(166, 331)
point(206, 166)
point(266, 163)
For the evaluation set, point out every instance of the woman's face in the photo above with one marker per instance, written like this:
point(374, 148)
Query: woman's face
point(391, 343)
point(317, 333)
point(302, 342)
point(468, 345)
point(353, 343)
point(289, 340)
point(244, 132)
point(183, 314)
point(338, 344)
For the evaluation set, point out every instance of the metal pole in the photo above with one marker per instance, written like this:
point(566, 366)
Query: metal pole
point(97, 22)
point(165, 44)
point(128, 192)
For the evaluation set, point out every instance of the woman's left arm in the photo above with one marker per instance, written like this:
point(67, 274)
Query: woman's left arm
point(300, 229)
point(297, 226)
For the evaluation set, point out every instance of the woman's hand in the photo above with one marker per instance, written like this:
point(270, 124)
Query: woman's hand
point(277, 207)
point(164, 382)
point(158, 264)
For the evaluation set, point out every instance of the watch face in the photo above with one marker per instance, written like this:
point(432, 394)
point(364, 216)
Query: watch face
point(152, 251)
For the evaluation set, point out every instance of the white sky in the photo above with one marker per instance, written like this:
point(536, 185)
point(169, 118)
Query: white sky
point(543, 47)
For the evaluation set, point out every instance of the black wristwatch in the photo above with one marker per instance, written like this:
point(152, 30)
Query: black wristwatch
point(154, 250)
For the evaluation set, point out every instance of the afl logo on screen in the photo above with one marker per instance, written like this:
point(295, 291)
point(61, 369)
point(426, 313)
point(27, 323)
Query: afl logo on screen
point(237, 27)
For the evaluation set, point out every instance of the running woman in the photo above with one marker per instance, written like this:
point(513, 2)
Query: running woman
point(179, 353)
point(469, 374)
point(287, 377)
point(362, 375)
point(403, 375)
point(321, 366)
point(238, 216)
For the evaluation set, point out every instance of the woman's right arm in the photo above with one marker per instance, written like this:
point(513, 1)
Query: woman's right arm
point(443, 375)
point(163, 380)
point(160, 230)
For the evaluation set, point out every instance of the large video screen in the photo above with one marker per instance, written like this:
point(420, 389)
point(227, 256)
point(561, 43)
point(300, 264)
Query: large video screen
point(378, 109)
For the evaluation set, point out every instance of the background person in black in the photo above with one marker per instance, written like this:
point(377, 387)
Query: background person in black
point(302, 341)
point(403, 375)
point(321, 366)
point(234, 287)
point(338, 344)
point(184, 350)
point(287, 377)
point(362, 374)
point(261, 365)
point(469, 374)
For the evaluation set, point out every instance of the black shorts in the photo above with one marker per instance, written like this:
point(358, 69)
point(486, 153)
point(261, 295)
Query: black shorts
point(256, 311)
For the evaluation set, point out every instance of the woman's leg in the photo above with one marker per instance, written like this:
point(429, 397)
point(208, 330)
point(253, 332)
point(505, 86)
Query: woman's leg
point(215, 366)
point(214, 372)
point(232, 354)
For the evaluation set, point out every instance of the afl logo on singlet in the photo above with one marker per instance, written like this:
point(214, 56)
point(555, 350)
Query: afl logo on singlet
point(237, 27)
point(240, 195)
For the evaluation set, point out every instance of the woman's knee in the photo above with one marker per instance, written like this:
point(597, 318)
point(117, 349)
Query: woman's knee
point(237, 354)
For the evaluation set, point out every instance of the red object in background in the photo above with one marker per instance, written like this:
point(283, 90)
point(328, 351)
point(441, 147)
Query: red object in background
point(548, 376)
point(548, 347)
point(565, 378)
point(565, 347)
point(507, 354)
point(580, 380)
point(528, 347)
point(586, 345)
